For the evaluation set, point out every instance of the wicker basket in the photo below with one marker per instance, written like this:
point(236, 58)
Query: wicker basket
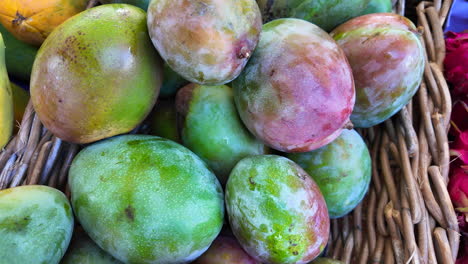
point(407, 216)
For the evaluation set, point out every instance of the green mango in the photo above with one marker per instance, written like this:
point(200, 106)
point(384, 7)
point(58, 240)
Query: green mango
point(211, 127)
point(19, 56)
point(378, 6)
point(325, 261)
point(146, 199)
point(163, 121)
point(6, 100)
point(341, 169)
point(36, 225)
point(172, 82)
point(83, 250)
point(326, 14)
point(143, 4)
point(96, 75)
point(276, 211)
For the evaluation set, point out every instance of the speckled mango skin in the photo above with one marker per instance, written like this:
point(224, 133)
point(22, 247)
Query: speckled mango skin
point(145, 199)
point(205, 41)
point(210, 127)
point(83, 250)
point(36, 225)
point(326, 261)
point(276, 210)
point(225, 250)
point(326, 14)
point(341, 169)
point(297, 91)
point(387, 59)
point(97, 75)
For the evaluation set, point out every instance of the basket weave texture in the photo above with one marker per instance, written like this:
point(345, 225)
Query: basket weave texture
point(407, 215)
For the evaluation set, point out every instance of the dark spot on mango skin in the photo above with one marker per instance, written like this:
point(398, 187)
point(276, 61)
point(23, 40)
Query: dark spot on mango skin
point(130, 213)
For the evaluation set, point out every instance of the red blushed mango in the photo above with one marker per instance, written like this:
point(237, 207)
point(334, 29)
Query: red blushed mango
point(97, 75)
point(225, 250)
point(297, 92)
point(387, 59)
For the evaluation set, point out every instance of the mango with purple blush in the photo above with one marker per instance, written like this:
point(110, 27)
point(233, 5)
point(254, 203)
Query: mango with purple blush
point(225, 250)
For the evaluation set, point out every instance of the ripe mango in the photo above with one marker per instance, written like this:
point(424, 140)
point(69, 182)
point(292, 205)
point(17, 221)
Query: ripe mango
point(297, 92)
point(210, 126)
point(206, 41)
point(341, 169)
point(6, 100)
point(145, 199)
point(97, 75)
point(276, 210)
point(83, 250)
point(36, 225)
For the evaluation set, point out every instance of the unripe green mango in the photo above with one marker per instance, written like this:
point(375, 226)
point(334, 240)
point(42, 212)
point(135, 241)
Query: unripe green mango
point(83, 250)
point(36, 225)
point(163, 121)
point(378, 6)
point(146, 199)
point(143, 4)
point(210, 127)
point(6, 100)
point(341, 169)
point(97, 75)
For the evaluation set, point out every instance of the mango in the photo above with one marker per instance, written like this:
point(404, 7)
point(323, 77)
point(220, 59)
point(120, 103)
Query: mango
point(276, 210)
point(6, 100)
point(207, 41)
point(325, 14)
point(36, 225)
point(97, 75)
point(387, 59)
point(211, 127)
point(145, 199)
point(83, 250)
point(297, 92)
point(378, 6)
point(172, 82)
point(19, 56)
point(326, 261)
point(163, 121)
point(341, 169)
point(225, 250)
point(31, 21)
point(143, 4)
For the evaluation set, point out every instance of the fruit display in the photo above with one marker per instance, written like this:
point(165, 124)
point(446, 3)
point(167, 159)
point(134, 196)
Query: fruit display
point(276, 210)
point(297, 92)
point(31, 21)
point(6, 100)
point(36, 224)
point(387, 59)
point(226, 132)
point(341, 169)
point(146, 199)
point(211, 109)
point(101, 62)
point(206, 42)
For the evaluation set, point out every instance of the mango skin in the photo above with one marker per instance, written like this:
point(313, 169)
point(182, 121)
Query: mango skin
point(36, 224)
point(326, 261)
point(276, 210)
point(83, 250)
point(387, 59)
point(97, 75)
point(210, 127)
point(207, 41)
point(6, 100)
point(378, 6)
point(163, 121)
point(172, 82)
point(297, 92)
point(225, 250)
point(143, 4)
point(325, 14)
point(19, 56)
point(145, 199)
point(341, 169)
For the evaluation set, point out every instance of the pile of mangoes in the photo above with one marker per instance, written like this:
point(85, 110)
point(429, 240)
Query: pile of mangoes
point(251, 107)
